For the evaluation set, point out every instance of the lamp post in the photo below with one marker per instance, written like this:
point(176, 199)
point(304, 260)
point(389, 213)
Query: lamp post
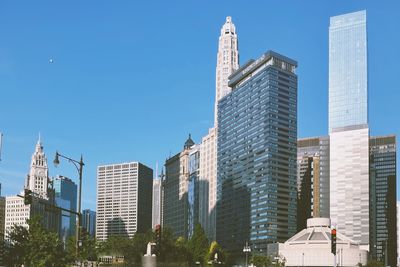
point(246, 250)
point(79, 167)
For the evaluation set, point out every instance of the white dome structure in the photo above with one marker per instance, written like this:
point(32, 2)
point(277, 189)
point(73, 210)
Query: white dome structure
point(312, 247)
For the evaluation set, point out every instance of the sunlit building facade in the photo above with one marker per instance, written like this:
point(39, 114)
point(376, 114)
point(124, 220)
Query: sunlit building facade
point(348, 126)
point(257, 150)
point(124, 199)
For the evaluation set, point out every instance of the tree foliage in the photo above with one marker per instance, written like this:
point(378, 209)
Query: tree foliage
point(132, 249)
point(261, 260)
point(198, 244)
point(35, 246)
point(215, 254)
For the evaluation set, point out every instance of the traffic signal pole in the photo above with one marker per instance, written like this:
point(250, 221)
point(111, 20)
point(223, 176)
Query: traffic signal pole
point(333, 245)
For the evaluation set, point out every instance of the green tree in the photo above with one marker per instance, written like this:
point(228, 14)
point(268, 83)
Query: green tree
point(167, 246)
point(15, 250)
point(87, 251)
point(198, 244)
point(182, 253)
point(215, 254)
point(261, 260)
point(36, 246)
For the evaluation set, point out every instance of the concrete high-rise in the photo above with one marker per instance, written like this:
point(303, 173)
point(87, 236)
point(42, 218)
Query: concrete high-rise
point(227, 63)
point(312, 179)
point(66, 197)
point(348, 125)
point(383, 246)
point(124, 197)
point(257, 149)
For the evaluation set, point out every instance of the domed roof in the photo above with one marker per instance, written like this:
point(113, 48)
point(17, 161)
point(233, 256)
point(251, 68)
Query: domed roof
point(318, 231)
point(189, 142)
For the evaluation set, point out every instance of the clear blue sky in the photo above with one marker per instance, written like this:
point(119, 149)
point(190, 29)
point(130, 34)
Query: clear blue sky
point(131, 79)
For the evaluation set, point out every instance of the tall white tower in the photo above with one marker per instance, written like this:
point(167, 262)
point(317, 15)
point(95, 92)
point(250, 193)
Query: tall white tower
point(227, 61)
point(348, 126)
point(38, 177)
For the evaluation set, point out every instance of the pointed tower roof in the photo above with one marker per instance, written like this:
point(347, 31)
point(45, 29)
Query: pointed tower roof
point(189, 142)
point(228, 27)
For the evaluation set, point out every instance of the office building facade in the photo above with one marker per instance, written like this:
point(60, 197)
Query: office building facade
point(227, 63)
point(89, 222)
point(257, 149)
point(66, 197)
point(383, 237)
point(194, 188)
point(348, 126)
point(124, 199)
point(43, 197)
point(176, 185)
point(312, 179)
point(157, 202)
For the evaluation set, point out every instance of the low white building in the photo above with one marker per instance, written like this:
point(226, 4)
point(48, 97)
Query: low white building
point(312, 247)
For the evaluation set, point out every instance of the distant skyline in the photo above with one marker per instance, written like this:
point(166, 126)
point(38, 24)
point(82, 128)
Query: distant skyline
point(122, 81)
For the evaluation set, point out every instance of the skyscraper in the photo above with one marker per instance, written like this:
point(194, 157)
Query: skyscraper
point(157, 202)
point(37, 181)
point(38, 177)
point(348, 125)
point(312, 179)
point(89, 222)
point(227, 63)
point(257, 147)
point(383, 217)
point(176, 184)
point(66, 197)
point(194, 188)
point(124, 197)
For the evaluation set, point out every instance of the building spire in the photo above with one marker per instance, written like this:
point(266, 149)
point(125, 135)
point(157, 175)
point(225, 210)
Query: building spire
point(227, 61)
point(37, 179)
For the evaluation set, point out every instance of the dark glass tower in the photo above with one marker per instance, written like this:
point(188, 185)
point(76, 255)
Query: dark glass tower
point(383, 237)
point(256, 170)
point(66, 197)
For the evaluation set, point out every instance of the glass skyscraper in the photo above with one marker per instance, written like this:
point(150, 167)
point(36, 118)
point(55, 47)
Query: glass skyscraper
point(66, 197)
point(257, 143)
point(89, 222)
point(348, 126)
point(383, 199)
point(348, 81)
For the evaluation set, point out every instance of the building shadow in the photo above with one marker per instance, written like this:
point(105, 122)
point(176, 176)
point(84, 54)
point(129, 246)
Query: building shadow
point(233, 218)
point(116, 227)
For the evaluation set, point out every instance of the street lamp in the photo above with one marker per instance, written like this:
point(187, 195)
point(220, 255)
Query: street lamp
point(246, 250)
point(79, 167)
